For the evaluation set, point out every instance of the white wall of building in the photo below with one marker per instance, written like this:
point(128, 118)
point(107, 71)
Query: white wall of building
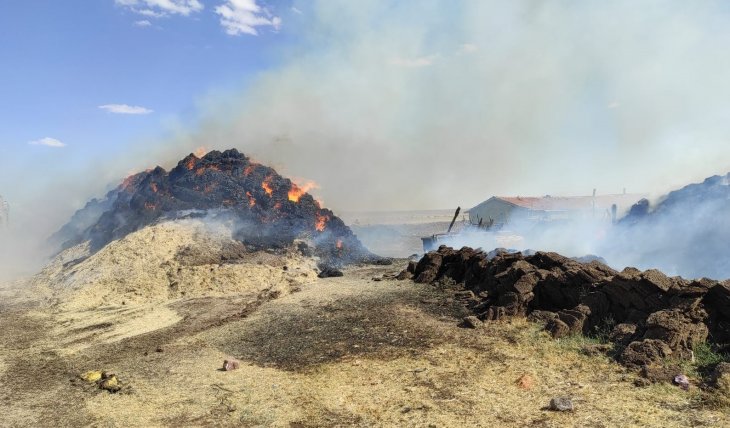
point(496, 209)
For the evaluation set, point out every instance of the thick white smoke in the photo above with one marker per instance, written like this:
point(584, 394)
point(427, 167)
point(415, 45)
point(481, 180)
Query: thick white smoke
point(398, 105)
point(393, 106)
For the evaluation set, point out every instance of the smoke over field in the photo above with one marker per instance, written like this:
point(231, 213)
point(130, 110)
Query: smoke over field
point(682, 233)
point(390, 106)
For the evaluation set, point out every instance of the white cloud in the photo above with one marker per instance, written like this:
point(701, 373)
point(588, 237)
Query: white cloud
point(243, 16)
point(142, 23)
point(160, 8)
point(149, 13)
point(423, 61)
point(296, 10)
point(125, 109)
point(48, 142)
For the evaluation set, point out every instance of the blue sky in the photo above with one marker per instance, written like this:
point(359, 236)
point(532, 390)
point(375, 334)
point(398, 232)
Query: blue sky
point(62, 60)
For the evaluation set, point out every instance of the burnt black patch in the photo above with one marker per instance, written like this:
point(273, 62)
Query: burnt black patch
point(368, 326)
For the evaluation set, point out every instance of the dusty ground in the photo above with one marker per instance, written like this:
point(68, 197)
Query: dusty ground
point(344, 351)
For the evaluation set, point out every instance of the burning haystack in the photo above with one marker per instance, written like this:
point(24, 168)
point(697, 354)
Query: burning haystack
point(265, 209)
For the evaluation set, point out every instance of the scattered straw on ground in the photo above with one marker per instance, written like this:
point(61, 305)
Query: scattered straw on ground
point(147, 266)
point(341, 352)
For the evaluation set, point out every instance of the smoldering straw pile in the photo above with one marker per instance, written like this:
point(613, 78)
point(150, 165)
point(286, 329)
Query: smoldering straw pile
point(265, 209)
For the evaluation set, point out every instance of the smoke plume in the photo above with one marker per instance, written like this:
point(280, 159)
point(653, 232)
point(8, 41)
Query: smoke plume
point(393, 105)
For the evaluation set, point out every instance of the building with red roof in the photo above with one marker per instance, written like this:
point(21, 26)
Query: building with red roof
point(501, 210)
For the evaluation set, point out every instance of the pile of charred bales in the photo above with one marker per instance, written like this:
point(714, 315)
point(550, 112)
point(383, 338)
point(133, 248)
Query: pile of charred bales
point(652, 316)
point(266, 210)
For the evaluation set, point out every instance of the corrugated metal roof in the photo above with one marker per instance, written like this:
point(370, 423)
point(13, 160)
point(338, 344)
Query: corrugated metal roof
point(571, 203)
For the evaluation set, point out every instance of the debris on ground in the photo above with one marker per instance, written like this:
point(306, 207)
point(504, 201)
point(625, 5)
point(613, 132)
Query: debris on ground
point(105, 380)
point(525, 382)
point(330, 272)
point(682, 381)
point(109, 382)
point(91, 376)
point(561, 404)
point(231, 364)
point(472, 322)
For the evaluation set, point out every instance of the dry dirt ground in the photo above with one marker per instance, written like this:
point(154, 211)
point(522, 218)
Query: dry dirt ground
point(346, 351)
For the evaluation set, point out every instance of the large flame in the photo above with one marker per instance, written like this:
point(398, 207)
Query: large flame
point(266, 185)
point(298, 190)
point(321, 223)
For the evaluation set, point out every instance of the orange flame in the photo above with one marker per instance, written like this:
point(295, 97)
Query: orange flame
point(251, 200)
point(190, 164)
point(298, 190)
point(277, 206)
point(201, 151)
point(266, 185)
point(249, 169)
point(321, 222)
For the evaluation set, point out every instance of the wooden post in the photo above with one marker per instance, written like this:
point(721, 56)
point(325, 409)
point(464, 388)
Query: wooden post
point(456, 214)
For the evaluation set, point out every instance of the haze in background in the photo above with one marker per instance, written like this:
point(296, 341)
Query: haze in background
point(392, 106)
point(389, 106)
